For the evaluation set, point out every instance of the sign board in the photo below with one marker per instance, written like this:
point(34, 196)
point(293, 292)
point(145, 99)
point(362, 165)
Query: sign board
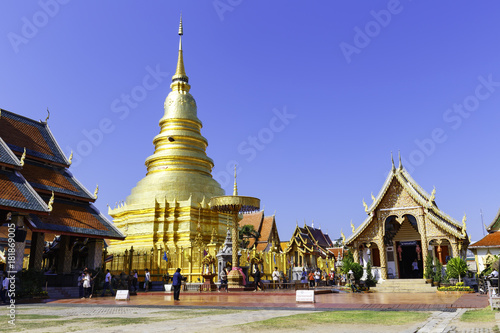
point(304, 296)
point(409, 243)
point(168, 287)
point(122, 295)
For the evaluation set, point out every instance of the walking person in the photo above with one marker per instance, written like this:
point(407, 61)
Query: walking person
point(80, 284)
point(87, 279)
point(107, 284)
point(146, 280)
point(176, 283)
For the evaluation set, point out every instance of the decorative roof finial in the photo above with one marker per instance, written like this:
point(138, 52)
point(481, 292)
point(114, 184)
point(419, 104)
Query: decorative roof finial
point(392, 160)
point(235, 187)
point(23, 157)
point(70, 160)
point(373, 197)
point(343, 237)
point(464, 226)
point(352, 227)
point(365, 205)
point(48, 115)
point(96, 191)
point(51, 202)
point(400, 167)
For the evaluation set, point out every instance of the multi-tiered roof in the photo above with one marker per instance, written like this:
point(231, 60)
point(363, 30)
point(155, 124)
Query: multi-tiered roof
point(35, 179)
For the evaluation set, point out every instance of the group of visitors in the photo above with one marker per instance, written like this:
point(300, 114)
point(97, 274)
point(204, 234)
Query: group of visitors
point(317, 276)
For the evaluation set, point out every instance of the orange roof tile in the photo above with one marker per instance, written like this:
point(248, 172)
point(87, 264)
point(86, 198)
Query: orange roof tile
point(9, 190)
point(253, 219)
point(490, 240)
point(266, 228)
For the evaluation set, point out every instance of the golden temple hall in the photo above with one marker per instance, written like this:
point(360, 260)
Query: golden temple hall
point(404, 225)
point(167, 213)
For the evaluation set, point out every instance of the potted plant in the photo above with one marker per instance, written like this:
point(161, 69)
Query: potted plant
point(438, 274)
point(428, 273)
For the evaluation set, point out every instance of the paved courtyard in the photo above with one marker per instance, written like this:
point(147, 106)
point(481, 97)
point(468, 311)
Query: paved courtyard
point(211, 312)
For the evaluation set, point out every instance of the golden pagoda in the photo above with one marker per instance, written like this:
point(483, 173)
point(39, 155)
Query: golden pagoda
point(167, 212)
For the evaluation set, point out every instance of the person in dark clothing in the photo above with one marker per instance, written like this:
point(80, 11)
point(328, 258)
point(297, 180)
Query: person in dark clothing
point(256, 279)
point(176, 283)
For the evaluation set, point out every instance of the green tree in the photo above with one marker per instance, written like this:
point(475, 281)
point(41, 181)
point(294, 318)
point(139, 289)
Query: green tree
point(370, 280)
point(245, 233)
point(456, 268)
point(428, 274)
point(438, 274)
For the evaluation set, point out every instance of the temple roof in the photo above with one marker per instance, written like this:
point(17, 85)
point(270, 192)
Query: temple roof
point(7, 157)
point(310, 240)
point(264, 225)
point(495, 224)
point(421, 197)
point(18, 194)
point(490, 240)
point(20, 132)
point(51, 178)
point(79, 219)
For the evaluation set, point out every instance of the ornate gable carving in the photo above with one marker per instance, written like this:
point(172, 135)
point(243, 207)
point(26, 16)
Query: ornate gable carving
point(396, 196)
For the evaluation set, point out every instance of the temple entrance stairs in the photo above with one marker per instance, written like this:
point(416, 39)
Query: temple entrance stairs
point(403, 286)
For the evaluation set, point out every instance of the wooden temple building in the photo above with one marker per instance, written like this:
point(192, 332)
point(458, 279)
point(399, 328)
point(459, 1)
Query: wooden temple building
point(58, 229)
point(405, 224)
point(265, 226)
point(309, 247)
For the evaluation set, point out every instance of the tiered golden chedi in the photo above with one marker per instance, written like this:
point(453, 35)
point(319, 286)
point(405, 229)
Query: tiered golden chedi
point(169, 208)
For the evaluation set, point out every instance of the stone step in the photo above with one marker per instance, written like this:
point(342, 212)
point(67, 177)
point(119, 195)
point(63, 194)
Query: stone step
point(404, 286)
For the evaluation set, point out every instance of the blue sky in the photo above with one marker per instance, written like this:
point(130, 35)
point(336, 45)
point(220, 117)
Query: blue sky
point(309, 99)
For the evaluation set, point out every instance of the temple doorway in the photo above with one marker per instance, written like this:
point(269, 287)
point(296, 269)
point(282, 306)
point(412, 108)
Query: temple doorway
point(407, 254)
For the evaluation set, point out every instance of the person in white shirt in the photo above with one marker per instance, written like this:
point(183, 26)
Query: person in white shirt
point(87, 279)
point(107, 284)
point(146, 280)
point(276, 277)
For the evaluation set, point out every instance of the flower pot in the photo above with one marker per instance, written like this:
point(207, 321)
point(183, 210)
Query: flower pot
point(435, 283)
point(429, 281)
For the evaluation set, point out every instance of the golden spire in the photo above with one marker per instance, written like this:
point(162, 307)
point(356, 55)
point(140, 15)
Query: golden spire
point(400, 163)
point(392, 160)
point(180, 79)
point(235, 188)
